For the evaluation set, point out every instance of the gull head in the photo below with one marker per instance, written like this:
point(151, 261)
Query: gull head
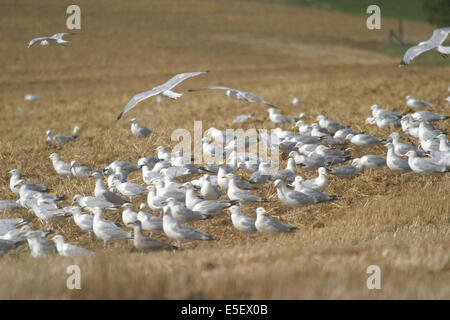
point(299, 123)
point(374, 107)
point(293, 154)
point(49, 133)
point(298, 179)
point(322, 170)
point(127, 205)
point(260, 211)
point(389, 145)
point(58, 239)
point(134, 121)
point(320, 117)
point(356, 162)
point(160, 149)
point(54, 156)
point(409, 97)
point(278, 183)
point(411, 154)
point(74, 163)
point(96, 175)
point(76, 199)
point(143, 206)
point(235, 210)
point(14, 172)
point(394, 135)
point(271, 110)
point(349, 136)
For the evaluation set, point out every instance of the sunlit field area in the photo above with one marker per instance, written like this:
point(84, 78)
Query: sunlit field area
point(399, 222)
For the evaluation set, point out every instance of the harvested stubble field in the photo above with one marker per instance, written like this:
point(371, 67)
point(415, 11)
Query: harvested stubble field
point(328, 59)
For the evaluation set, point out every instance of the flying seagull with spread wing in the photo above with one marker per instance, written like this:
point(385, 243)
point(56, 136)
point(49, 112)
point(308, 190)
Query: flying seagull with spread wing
point(56, 39)
point(164, 89)
point(435, 42)
point(237, 94)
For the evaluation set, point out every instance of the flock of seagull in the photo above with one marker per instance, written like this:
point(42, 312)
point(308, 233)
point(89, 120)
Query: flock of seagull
point(171, 204)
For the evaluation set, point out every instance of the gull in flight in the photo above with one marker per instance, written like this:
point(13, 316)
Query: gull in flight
point(237, 94)
point(56, 39)
point(164, 89)
point(435, 42)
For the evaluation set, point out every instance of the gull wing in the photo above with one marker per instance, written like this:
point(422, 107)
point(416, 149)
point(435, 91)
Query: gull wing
point(254, 96)
point(438, 37)
point(157, 90)
point(32, 42)
point(210, 87)
point(57, 36)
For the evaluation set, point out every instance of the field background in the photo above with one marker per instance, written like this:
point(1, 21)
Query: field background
point(325, 57)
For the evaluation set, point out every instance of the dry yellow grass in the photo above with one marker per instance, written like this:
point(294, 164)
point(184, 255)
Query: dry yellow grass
point(279, 52)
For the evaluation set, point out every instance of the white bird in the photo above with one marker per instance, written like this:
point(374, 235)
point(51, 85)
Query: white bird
point(183, 214)
point(138, 130)
point(7, 245)
point(394, 162)
point(128, 215)
point(330, 125)
point(101, 192)
point(40, 248)
point(177, 230)
point(400, 148)
point(68, 250)
point(79, 171)
point(61, 168)
point(56, 39)
point(237, 94)
point(208, 190)
point(129, 189)
point(287, 174)
point(164, 89)
point(148, 221)
point(93, 202)
point(347, 170)
point(16, 176)
point(424, 166)
point(292, 198)
point(428, 116)
point(372, 161)
point(264, 223)
point(318, 183)
point(435, 42)
point(154, 201)
point(362, 140)
point(58, 138)
point(84, 221)
point(242, 222)
point(246, 116)
point(262, 175)
point(144, 243)
point(107, 230)
point(278, 117)
point(234, 193)
point(31, 97)
point(416, 103)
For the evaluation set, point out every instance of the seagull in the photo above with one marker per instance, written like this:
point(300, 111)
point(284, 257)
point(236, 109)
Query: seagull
point(330, 125)
point(68, 250)
point(164, 89)
point(129, 189)
point(372, 161)
point(394, 162)
point(428, 116)
point(206, 207)
point(61, 168)
point(234, 193)
point(278, 117)
point(237, 94)
point(246, 116)
point(101, 192)
point(242, 222)
point(59, 138)
point(8, 205)
point(82, 220)
point(435, 42)
point(362, 140)
point(208, 190)
point(347, 170)
point(287, 174)
point(144, 243)
point(40, 248)
point(31, 97)
point(401, 148)
point(415, 103)
point(318, 183)
point(424, 166)
point(15, 177)
point(107, 230)
point(79, 171)
point(93, 202)
point(183, 214)
point(139, 131)
point(179, 231)
point(319, 196)
point(7, 245)
point(292, 198)
point(262, 175)
point(56, 39)
point(128, 215)
point(148, 221)
point(264, 223)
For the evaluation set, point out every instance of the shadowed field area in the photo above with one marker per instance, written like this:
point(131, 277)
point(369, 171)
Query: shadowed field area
point(327, 58)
